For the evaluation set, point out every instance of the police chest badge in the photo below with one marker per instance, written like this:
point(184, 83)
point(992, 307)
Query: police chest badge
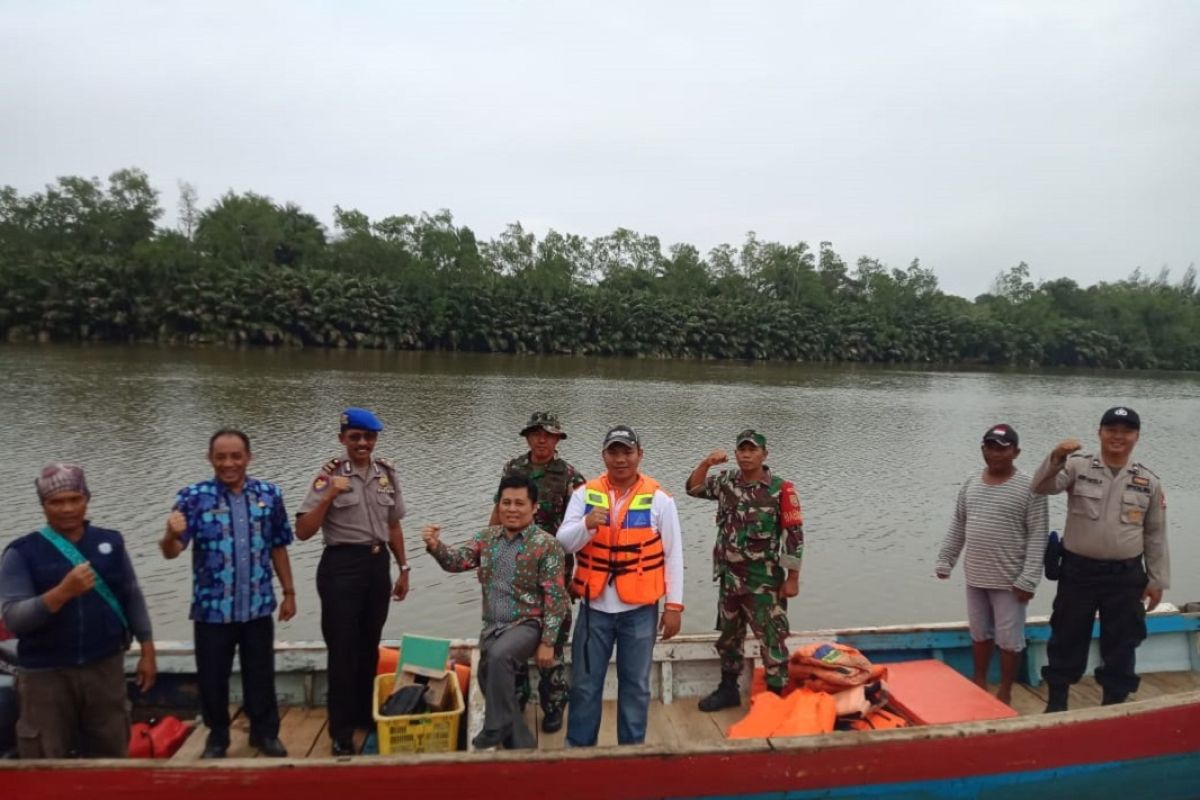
point(320, 484)
point(383, 481)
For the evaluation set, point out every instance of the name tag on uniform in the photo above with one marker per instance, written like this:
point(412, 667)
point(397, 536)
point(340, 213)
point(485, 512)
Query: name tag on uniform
point(1138, 480)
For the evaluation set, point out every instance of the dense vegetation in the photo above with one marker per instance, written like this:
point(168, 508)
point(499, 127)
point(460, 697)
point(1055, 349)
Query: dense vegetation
point(85, 260)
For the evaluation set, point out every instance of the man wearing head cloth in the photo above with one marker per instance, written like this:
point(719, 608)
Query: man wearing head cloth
point(1115, 558)
point(555, 479)
point(756, 561)
point(68, 591)
point(355, 501)
point(624, 531)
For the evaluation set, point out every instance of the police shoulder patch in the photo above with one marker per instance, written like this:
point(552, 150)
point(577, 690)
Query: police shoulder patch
point(320, 483)
point(1142, 467)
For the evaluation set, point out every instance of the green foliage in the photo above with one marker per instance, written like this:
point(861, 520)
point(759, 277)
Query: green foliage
point(84, 261)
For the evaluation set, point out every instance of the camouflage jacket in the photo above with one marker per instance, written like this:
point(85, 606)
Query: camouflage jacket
point(755, 521)
point(537, 583)
point(555, 480)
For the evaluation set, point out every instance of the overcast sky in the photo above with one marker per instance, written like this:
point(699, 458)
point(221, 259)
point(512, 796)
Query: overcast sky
point(972, 136)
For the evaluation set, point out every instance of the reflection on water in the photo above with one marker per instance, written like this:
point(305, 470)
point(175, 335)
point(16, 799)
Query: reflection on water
point(877, 454)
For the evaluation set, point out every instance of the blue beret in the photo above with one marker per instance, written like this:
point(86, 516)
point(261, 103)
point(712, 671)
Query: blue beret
point(360, 418)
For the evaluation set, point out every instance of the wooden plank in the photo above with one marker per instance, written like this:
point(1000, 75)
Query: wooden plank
point(659, 730)
point(193, 745)
point(239, 737)
point(552, 741)
point(300, 729)
point(1026, 701)
point(691, 725)
point(726, 717)
point(608, 725)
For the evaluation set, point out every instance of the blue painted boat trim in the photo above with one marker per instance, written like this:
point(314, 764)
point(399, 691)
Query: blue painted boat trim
point(1163, 778)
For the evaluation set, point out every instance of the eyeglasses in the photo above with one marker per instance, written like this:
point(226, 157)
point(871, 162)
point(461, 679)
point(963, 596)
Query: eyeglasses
point(363, 436)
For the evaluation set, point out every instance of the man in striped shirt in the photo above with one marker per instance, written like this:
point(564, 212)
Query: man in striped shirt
point(1003, 526)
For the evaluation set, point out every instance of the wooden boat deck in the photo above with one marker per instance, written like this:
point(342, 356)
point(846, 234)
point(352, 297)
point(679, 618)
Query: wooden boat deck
point(302, 730)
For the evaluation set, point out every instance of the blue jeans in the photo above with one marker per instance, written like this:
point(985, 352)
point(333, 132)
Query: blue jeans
point(633, 633)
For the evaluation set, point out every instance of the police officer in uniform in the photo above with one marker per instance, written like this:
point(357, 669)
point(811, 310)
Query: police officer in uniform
point(1115, 559)
point(355, 500)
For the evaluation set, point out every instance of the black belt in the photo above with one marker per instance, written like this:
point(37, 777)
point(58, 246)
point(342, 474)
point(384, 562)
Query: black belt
point(372, 549)
point(1102, 566)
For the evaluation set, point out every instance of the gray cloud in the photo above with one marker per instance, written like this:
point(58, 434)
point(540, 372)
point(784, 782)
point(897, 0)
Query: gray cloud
point(972, 136)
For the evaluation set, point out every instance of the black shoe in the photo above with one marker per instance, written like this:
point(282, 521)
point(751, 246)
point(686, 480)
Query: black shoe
point(1112, 698)
point(724, 696)
point(1059, 692)
point(552, 721)
point(271, 746)
point(487, 740)
point(214, 750)
point(343, 747)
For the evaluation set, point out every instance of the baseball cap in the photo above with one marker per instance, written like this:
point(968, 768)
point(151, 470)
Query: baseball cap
point(621, 434)
point(1121, 415)
point(1001, 434)
point(752, 436)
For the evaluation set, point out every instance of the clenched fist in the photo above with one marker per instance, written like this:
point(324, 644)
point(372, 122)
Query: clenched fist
point(595, 518)
point(78, 581)
point(430, 535)
point(341, 484)
point(716, 457)
point(1065, 448)
point(176, 524)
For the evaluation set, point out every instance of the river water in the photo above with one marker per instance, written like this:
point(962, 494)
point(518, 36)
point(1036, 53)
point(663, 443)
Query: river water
point(877, 454)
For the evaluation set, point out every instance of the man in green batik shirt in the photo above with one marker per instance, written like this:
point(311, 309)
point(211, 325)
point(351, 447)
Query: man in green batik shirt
point(758, 516)
point(555, 479)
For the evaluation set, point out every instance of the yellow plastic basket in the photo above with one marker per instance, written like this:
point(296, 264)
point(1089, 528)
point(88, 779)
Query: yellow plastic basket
point(435, 732)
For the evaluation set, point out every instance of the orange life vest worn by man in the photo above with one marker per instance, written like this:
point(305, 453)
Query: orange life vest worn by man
point(624, 530)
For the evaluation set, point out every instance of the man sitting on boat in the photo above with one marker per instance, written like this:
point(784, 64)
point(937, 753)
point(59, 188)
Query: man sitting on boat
point(524, 603)
point(69, 592)
point(624, 530)
point(1003, 528)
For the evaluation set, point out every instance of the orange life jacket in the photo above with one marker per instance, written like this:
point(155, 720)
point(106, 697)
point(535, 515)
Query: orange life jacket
point(627, 552)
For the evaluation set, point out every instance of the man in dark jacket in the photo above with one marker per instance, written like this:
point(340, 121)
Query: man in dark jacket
point(70, 594)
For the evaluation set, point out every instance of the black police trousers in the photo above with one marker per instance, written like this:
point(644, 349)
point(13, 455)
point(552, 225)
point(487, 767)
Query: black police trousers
point(355, 587)
point(1114, 589)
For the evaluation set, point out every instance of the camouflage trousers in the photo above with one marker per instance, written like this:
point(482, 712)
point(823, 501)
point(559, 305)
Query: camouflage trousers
point(552, 687)
point(766, 614)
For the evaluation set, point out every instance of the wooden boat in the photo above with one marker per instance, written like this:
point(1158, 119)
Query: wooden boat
point(1149, 746)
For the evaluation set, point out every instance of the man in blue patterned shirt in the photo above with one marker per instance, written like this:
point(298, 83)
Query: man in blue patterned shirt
point(241, 533)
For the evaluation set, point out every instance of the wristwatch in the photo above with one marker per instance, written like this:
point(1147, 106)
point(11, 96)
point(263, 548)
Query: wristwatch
point(405, 568)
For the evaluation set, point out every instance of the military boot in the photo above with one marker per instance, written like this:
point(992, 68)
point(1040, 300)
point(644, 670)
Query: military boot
point(1112, 698)
point(724, 696)
point(1058, 697)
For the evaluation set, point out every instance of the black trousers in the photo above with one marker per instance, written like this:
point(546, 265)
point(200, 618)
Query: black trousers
point(355, 588)
point(1114, 590)
point(255, 645)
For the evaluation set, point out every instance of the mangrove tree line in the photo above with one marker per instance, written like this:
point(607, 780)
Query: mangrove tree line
point(87, 259)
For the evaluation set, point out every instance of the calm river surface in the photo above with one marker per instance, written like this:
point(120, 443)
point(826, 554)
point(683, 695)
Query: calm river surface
point(877, 454)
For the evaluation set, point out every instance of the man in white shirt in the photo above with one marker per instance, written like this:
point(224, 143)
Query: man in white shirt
point(624, 530)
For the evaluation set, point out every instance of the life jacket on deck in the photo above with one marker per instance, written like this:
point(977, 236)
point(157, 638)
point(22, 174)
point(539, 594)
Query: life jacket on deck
point(831, 667)
point(627, 552)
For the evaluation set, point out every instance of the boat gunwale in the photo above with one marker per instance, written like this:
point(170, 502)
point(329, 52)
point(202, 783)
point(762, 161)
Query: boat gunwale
point(816, 744)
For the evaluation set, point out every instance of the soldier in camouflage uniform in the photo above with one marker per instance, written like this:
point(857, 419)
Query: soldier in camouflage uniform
point(758, 515)
point(555, 480)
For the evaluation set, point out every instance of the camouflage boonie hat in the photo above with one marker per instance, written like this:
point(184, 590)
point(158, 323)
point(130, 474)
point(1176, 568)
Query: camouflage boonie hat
point(545, 420)
point(753, 437)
